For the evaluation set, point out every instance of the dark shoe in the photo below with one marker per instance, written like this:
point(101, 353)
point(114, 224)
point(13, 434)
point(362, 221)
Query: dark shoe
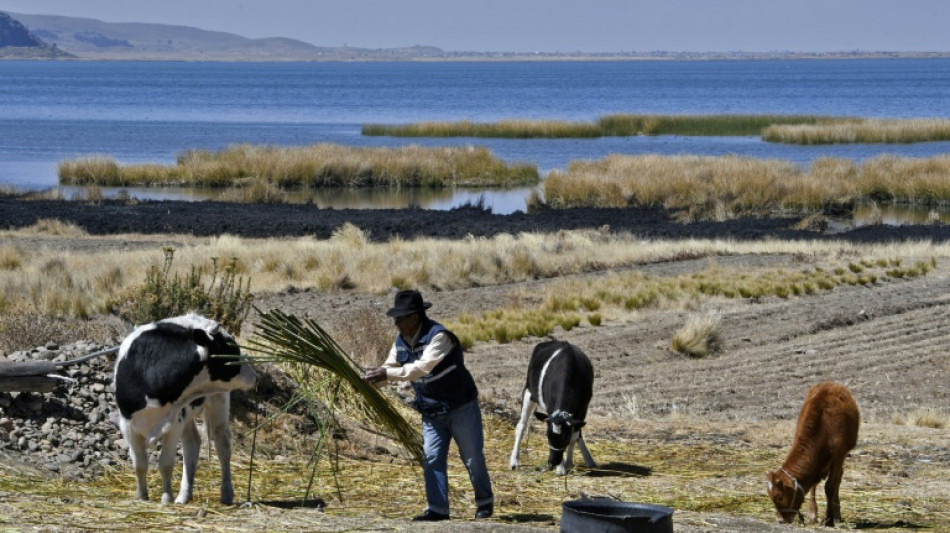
point(485, 511)
point(430, 516)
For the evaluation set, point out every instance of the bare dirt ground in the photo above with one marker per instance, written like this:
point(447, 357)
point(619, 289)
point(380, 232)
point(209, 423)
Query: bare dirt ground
point(733, 413)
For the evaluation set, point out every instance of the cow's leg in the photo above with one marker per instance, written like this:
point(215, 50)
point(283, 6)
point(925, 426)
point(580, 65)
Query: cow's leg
point(812, 516)
point(138, 451)
point(190, 448)
point(832, 499)
point(217, 416)
point(528, 405)
point(166, 459)
point(568, 463)
point(588, 458)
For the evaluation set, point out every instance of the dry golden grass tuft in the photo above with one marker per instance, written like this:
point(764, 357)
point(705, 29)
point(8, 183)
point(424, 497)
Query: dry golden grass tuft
point(927, 418)
point(56, 227)
point(700, 336)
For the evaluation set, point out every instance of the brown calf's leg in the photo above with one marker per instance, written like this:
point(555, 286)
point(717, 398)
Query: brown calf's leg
point(831, 493)
point(812, 517)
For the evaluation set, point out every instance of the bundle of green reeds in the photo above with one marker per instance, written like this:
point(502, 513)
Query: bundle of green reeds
point(285, 338)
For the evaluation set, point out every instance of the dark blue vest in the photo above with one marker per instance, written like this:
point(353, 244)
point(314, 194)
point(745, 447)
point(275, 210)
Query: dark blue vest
point(449, 384)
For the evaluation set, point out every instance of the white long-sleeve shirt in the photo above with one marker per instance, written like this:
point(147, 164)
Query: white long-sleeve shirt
point(432, 355)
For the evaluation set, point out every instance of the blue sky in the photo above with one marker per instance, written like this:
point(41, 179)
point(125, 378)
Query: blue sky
point(547, 25)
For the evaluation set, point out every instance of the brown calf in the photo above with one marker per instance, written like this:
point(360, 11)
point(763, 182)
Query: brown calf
point(827, 430)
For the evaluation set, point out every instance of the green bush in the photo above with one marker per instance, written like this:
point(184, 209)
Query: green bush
point(218, 294)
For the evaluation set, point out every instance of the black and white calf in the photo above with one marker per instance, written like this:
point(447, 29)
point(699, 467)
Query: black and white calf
point(559, 387)
point(164, 375)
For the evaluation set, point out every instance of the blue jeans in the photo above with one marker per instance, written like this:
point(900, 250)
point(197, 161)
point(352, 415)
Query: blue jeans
point(464, 425)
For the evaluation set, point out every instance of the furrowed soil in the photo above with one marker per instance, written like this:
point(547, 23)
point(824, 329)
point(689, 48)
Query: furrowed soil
point(694, 434)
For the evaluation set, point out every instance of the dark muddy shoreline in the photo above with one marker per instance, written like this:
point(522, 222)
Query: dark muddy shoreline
point(283, 220)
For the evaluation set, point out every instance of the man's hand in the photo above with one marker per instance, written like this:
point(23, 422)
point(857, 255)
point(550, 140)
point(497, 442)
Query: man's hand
point(375, 375)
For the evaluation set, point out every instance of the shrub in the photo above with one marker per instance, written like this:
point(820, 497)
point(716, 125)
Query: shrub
point(224, 297)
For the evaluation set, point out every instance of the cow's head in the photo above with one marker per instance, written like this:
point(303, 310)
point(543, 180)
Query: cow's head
point(561, 429)
point(786, 493)
point(219, 350)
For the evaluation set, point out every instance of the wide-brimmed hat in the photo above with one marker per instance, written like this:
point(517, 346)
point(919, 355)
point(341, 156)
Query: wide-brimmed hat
point(408, 302)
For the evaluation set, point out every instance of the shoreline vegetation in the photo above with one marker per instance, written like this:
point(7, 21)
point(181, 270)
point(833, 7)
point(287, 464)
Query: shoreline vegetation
point(316, 166)
point(788, 129)
point(720, 188)
point(696, 187)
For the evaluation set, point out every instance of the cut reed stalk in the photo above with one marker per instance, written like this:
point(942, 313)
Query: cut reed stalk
point(285, 338)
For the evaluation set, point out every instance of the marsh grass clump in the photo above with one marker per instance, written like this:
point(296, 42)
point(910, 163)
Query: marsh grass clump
point(721, 188)
point(616, 125)
point(790, 129)
point(860, 131)
point(505, 129)
point(700, 336)
point(316, 166)
point(699, 125)
point(740, 185)
point(254, 191)
point(92, 170)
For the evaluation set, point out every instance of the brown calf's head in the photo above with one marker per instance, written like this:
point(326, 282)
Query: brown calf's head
point(786, 494)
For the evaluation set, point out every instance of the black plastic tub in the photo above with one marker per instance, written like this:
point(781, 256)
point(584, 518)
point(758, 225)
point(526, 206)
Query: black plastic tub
point(609, 516)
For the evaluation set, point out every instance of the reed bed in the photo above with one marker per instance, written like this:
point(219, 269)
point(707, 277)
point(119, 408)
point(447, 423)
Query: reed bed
point(860, 131)
point(505, 129)
point(616, 125)
point(320, 165)
point(789, 129)
point(622, 125)
point(704, 187)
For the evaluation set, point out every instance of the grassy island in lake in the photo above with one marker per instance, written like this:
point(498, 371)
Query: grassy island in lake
point(790, 129)
point(321, 165)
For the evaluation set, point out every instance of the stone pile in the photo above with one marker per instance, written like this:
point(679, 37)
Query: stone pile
point(72, 431)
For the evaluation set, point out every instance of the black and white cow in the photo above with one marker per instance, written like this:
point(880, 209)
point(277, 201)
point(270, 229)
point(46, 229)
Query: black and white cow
point(559, 387)
point(165, 375)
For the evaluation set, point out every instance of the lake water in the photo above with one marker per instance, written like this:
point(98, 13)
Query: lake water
point(150, 111)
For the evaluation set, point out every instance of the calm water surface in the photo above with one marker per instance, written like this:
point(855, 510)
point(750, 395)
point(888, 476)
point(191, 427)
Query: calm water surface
point(151, 111)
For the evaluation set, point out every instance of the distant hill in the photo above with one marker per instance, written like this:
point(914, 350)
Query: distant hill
point(18, 42)
point(50, 36)
point(94, 39)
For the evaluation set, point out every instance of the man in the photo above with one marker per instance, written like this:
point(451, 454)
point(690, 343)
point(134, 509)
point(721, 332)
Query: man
point(430, 358)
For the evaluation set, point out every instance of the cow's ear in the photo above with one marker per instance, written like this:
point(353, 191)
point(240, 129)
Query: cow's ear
point(201, 337)
point(540, 416)
point(577, 424)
